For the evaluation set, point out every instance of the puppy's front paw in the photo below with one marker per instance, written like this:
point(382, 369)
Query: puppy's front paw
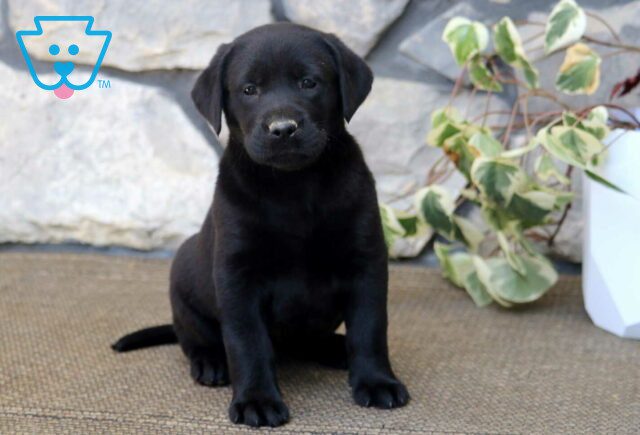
point(259, 412)
point(385, 394)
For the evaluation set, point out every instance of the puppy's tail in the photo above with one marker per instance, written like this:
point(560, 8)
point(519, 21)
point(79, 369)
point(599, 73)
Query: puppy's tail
point(154, 336)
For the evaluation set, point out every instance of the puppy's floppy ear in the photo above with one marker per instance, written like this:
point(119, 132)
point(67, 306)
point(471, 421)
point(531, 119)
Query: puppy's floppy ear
point(354, 76)
point(208, 92)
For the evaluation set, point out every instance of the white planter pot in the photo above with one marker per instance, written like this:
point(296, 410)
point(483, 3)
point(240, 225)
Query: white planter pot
point(611, 263)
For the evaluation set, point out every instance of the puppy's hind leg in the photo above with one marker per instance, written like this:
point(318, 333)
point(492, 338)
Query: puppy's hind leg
point(205, 351)
point(195, 326)
point(209, 366)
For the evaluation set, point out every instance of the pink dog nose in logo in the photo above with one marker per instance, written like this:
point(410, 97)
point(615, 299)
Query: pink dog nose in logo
point(63, 92)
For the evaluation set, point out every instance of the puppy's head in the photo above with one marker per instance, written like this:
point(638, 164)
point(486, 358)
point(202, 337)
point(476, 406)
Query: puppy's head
point(285, 90)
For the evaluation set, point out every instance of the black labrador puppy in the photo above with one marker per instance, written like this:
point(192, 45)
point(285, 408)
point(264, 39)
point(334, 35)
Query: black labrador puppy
point(293, 244)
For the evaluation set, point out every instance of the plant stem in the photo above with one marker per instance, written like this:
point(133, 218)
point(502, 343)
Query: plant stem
point(471, 97)
point(611, 44)
point(542, 117)
point(614, 53)
point(525, 112)
point(537, 48)
point(488, 113)
point(457, 86)
point(565, 213)
point(614, 141)
point(435, 173)
point(507, 133)
point(485, 115)
point(546, 94)
point(525, 22)
point(604, 22)
point(532, 38)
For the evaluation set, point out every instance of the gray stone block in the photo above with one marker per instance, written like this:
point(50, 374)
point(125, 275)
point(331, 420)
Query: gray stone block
point(359, 23)
point(123, 166)
point(153, 34)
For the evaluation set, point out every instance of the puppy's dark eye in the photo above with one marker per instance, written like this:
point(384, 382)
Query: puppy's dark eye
point(250, 90)
point(307, 84)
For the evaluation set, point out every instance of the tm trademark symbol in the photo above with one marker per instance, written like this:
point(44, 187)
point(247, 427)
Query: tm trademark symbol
point(104, 84)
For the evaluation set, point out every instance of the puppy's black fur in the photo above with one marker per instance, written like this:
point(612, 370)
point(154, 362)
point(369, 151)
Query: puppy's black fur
point(293, 244)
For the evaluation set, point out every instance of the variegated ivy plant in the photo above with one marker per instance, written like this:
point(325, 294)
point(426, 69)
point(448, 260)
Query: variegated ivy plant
point(512, 200)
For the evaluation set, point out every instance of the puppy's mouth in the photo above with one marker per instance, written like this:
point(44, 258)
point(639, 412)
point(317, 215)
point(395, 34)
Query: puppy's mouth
point(296, 152)
point(291, 160)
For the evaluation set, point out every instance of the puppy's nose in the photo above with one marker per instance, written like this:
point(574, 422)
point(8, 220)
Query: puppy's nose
point(282, 128)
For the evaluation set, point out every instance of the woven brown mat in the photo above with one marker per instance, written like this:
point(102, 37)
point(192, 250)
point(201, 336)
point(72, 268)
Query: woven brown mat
point(543, 369)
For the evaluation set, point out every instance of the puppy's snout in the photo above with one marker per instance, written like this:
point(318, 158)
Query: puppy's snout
point(282, 128)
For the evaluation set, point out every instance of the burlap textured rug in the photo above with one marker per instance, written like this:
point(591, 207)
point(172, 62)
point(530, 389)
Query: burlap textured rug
point(544, 369)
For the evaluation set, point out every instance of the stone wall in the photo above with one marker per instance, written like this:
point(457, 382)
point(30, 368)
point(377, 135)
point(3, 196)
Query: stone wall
point(135, 165)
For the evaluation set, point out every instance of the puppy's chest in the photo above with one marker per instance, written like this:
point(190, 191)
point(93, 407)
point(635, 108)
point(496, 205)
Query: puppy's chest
point(306, 279)
point(298, 300)
point(301, 234)
point(318, 252)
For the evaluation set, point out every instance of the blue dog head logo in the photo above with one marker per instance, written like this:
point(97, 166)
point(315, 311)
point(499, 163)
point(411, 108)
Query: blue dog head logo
point(79, 42)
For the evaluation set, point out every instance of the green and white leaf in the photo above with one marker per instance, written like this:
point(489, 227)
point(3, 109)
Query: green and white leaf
point(483, 272)
point(580, 71)
point(458, 268)
point(527, 245)
point(481, 77)
point(455, 265)
point(460, 153)
point(518, 152)
point(514, 260)
point(495, 216)
point(596, 122)
point(470, 194)
point(507, 41)
point(498, 179)
point(531, 208)
point(476, 289)
point(391, 227)
point(553, 145)
point(507, 285)
point(599, 114)
point(561, 197)
point(569, 119)
point(435, 206)
point(584, 145)
point(545, 199)
point(570, 144)
point(531, 74)
point(411, 224)
point(444, 130)
point(465, 38)
point(600, 179)
point(546, 169)
point(508, 44)
point(486, 144)
point(566, 25)
point(450, 114)
point(471, 234)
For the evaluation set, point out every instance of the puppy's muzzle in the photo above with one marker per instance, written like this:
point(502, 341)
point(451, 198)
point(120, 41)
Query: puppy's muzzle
point(282, 128)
